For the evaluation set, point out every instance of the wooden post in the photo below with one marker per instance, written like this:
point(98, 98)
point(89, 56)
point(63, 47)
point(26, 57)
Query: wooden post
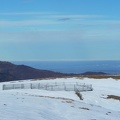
point(39, 86)
point(31, 85)
point(55, 83)
point(13, 86)
point(3, 87)
point(74, 87)
point(52, 87)
point(65, 87)
point(46, 87)
point(22, 86)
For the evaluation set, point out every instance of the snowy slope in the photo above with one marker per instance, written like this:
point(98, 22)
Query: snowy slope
point(62, 105)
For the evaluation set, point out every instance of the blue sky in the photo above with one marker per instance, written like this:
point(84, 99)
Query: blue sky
point(59, 30)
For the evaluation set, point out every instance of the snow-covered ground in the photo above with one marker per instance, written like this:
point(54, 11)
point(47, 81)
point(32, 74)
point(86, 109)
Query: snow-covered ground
point(27, 104)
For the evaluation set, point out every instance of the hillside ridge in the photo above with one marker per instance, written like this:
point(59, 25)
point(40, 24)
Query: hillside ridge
point(11, 72)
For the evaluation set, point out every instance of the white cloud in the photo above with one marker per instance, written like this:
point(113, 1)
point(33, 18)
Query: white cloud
point(78, 21)
point(52, 17)
point(43, 36)
point(26, 23)
point(77, 16)
point(29, 13)
point(60, 36)
point(44, 18)
point(102, 35)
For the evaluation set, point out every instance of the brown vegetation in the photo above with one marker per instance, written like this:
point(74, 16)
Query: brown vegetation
point(85, 108)
point(79, 95)
point(113, 97)
point(117, 77)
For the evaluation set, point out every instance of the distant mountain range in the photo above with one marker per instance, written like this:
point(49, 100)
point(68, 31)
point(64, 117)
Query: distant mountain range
point(93, 73)
point(10, 72)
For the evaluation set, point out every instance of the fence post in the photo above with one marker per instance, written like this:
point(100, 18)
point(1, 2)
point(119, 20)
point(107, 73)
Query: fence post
point(13, 86)
point(31, 85)
point(39, 86)
point(76, 83)
point(87, 87)
point(52, 87)
point(22, 86)
point(65, 88)
point(3, 87)
point(74, 87)
point(55, 83)
point(83, 88)
point(46, 87)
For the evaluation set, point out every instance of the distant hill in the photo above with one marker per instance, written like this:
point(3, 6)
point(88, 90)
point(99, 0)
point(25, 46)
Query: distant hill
point(9, 71)
point(93, 73)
